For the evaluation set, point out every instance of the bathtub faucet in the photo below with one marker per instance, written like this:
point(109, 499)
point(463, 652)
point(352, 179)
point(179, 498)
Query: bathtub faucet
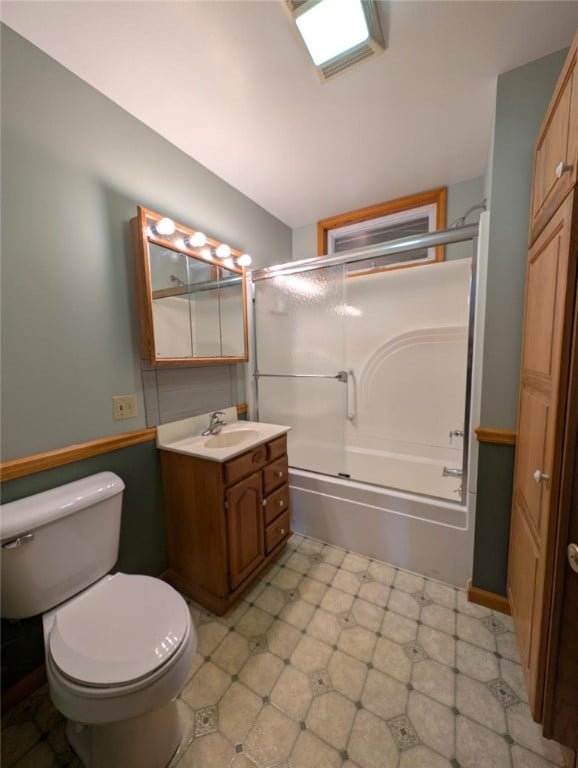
point(452, 472)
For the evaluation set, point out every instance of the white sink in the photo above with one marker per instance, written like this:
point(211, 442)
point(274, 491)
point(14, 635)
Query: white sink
point(234, 438)
point(231, 438)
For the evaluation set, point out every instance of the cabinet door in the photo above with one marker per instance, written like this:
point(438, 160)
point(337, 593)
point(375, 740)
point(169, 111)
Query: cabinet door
point(245, 528)
point(550, 290)
point(557, 147)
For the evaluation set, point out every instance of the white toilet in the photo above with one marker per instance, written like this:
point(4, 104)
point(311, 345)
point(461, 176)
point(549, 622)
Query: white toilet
point(118, 647)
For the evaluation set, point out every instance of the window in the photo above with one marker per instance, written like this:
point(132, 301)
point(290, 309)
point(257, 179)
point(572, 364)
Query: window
point(406, 216)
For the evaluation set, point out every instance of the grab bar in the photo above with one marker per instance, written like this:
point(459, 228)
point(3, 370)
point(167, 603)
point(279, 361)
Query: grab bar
point(342, 376)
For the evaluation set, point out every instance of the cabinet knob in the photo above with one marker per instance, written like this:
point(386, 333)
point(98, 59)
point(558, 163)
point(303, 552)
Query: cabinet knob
point(282, 531)
point(279, 474)
point(280, 502)
point(539, 476)
point(561, 168)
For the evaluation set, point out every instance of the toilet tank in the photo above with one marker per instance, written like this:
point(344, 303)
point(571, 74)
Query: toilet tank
point(56, 543)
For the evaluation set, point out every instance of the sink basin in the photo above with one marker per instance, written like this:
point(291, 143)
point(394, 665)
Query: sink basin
point(235, 438)
point(230, 439)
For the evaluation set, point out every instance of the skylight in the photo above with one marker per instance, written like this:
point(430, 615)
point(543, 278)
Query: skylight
point(337, 33)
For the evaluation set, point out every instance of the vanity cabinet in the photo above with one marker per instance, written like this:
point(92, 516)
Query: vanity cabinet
point(225, 521)
point(556, 152)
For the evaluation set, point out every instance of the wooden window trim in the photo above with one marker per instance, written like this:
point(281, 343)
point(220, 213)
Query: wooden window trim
point(433, 196)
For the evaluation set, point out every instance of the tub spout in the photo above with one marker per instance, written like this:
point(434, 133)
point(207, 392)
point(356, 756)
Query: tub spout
point(452, 472)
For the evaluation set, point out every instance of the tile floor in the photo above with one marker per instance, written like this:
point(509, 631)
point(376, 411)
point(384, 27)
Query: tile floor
point(331, 660)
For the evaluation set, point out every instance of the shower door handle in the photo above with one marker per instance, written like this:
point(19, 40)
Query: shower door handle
point(348, 378)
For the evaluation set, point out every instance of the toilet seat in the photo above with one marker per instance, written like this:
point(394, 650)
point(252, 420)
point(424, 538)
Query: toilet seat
point(121, 630)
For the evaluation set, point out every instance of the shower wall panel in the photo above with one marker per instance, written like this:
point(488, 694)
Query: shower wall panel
point(406, 342)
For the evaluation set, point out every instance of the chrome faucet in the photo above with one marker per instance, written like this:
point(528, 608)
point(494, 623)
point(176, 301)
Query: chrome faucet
point(216, 424)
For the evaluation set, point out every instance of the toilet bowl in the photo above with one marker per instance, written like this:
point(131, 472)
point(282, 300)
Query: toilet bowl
point(120, 651)
point(118, 648)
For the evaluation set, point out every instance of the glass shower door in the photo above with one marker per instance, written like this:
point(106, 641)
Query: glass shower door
point(300, 338)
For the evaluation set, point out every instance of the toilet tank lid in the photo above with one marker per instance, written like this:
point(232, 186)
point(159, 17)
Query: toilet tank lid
point(24, 515)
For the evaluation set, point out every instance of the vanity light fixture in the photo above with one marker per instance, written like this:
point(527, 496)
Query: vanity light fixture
point(223, 251)
point(244, 260)
point(197, 240)
point(165, 226)
point(338, 33)
point(184, 239)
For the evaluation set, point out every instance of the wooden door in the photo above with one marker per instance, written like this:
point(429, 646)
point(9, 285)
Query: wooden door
point(561, 694)
point(550, 291)
point(246, 541)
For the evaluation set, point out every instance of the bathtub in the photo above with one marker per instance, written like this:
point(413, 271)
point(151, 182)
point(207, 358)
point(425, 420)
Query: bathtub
point(428, 536)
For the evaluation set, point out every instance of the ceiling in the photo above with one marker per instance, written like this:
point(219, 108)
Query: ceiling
point(230, 84)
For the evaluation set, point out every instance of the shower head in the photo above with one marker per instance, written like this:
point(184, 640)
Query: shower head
point(460, 222)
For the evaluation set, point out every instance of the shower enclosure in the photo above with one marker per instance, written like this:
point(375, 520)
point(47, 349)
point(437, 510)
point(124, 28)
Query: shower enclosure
point(370, 368)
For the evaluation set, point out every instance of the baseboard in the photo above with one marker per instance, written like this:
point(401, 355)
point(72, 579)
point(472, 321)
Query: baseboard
point(489, 600)
point(23, 688)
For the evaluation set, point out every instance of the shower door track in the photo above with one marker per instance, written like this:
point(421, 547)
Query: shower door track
point(402, 245)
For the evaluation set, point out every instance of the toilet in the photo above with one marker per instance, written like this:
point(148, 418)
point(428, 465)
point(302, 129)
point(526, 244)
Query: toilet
point(118, 647)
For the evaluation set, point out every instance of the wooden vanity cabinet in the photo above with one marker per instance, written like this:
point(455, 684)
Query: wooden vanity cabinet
point(225, 521)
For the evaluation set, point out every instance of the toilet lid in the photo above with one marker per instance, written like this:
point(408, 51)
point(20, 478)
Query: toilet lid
point(120, 630)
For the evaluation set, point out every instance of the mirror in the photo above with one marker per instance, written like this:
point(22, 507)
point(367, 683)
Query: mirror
point(192, 305)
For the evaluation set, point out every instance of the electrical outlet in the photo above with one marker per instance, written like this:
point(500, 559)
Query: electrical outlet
point(124, 407)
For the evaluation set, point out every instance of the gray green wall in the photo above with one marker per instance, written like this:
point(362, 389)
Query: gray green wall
point(522, 98)
point(74, 168)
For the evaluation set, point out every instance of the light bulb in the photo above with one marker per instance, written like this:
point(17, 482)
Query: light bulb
point(223, 251)
point(206, 253)
point(244, 260)
point(165, 226)
point(229, 263)
point(198, 239)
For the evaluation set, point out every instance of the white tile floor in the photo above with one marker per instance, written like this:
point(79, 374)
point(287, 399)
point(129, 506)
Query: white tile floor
point(334, 659)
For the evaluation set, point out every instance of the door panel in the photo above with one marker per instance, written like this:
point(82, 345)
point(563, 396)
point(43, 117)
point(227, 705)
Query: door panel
point(245, 528)
point(541, 309)
point(534, 413)
point(522, 583)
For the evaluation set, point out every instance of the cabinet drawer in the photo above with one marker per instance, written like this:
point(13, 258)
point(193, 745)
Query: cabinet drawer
point(244, 465)
point(274, 475)
point(277, 531)
point(276, 503)
point(277, 448)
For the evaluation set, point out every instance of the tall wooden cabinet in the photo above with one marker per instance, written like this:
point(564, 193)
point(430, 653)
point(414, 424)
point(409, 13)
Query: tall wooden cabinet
point(538, 573)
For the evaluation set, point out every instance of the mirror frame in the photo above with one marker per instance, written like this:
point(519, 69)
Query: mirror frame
point(141, 237)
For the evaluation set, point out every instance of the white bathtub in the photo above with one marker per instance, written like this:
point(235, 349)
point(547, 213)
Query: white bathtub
point(427, 536)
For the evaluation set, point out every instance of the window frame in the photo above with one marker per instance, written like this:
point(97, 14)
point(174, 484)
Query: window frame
point(436, 197)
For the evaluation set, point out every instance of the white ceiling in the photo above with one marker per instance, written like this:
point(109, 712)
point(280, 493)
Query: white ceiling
point(229, 83)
